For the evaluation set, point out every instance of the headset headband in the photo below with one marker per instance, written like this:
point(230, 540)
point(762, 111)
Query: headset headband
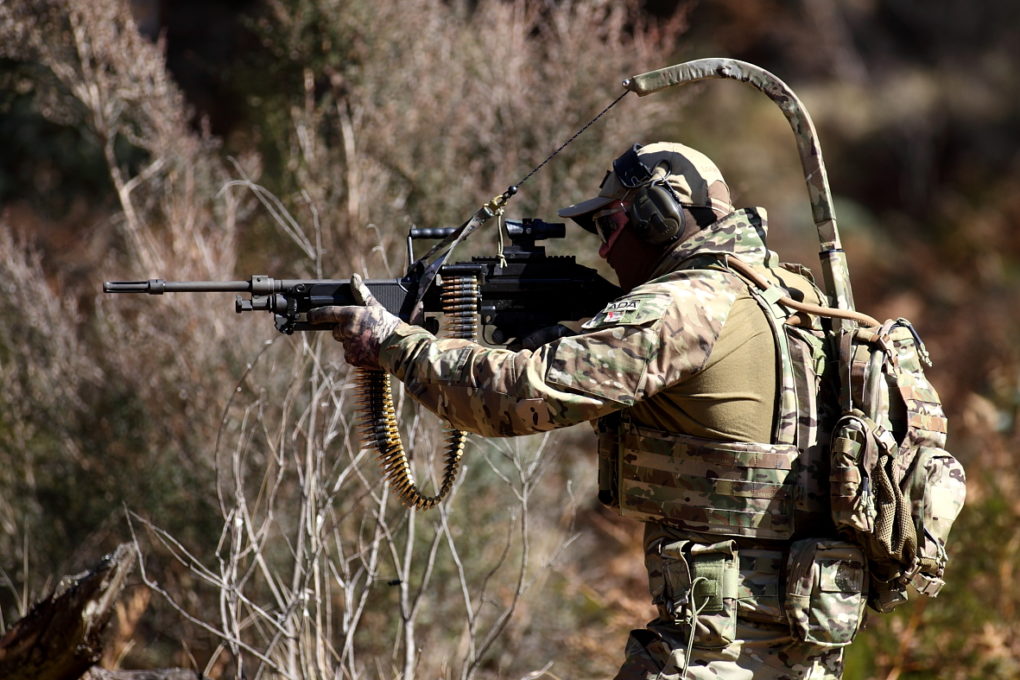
point(630, 170)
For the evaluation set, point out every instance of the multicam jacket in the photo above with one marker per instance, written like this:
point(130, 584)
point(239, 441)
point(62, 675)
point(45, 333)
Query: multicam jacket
point(688, 354)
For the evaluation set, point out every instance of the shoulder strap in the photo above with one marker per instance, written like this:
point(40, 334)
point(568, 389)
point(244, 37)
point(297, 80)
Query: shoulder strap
point(745, 270)
point(784, 426)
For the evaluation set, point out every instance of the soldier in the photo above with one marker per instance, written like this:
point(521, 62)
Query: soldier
point(702, 391)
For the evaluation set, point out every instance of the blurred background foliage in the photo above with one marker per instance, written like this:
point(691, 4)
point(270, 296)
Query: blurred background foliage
point(217, 138)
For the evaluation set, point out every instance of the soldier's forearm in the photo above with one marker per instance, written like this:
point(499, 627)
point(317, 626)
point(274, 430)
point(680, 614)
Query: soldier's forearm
point(483, 390)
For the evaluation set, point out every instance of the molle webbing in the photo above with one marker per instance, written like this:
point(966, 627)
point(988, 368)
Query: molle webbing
point(722, 488)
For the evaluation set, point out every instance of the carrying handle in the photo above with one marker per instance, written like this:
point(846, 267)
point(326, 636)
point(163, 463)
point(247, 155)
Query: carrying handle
point(834, 267)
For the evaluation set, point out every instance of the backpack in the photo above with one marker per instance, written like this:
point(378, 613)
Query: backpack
point(894, 489)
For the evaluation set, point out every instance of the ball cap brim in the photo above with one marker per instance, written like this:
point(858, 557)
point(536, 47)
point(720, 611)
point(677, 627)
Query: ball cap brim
point(610, 190)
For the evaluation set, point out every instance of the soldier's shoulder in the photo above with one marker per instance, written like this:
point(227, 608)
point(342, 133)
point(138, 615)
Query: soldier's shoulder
point(700, 287)
point(637, 308)
point(669, 295)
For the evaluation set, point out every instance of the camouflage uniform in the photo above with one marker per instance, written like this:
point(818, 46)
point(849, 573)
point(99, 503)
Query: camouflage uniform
point(690, 352)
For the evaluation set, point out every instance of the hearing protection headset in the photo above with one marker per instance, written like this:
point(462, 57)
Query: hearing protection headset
point(655, 213)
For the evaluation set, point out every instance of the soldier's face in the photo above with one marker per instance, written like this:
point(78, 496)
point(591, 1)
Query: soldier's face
point(631, 258)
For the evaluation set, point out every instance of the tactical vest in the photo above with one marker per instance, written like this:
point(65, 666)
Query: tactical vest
point(772, 490)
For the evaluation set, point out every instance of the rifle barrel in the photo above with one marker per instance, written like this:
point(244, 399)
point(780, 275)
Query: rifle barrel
point(159, 286)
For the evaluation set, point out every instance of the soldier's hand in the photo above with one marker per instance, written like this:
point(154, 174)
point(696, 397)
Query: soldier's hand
point(361, 328)
point(542, 336)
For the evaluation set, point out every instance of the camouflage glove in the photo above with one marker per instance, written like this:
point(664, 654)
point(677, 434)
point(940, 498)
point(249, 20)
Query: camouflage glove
point(361, 329)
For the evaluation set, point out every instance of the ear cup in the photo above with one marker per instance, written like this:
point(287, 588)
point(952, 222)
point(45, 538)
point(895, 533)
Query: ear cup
point(655, 215)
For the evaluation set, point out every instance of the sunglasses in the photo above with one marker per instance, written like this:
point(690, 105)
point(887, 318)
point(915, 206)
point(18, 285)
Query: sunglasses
point(608, 221)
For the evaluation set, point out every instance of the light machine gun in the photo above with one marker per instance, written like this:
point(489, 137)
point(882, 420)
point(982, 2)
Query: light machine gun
point(510, 296)
point(514, 294)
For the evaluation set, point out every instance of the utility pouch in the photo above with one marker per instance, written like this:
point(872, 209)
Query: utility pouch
point(857, 444)
point(825, 591)
point(700, 589)
point(938, 487)
point(607, 431)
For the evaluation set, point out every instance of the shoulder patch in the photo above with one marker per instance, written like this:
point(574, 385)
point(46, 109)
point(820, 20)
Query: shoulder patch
point(635, 310)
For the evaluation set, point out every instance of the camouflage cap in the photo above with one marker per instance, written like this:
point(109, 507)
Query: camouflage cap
point(692, 175)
